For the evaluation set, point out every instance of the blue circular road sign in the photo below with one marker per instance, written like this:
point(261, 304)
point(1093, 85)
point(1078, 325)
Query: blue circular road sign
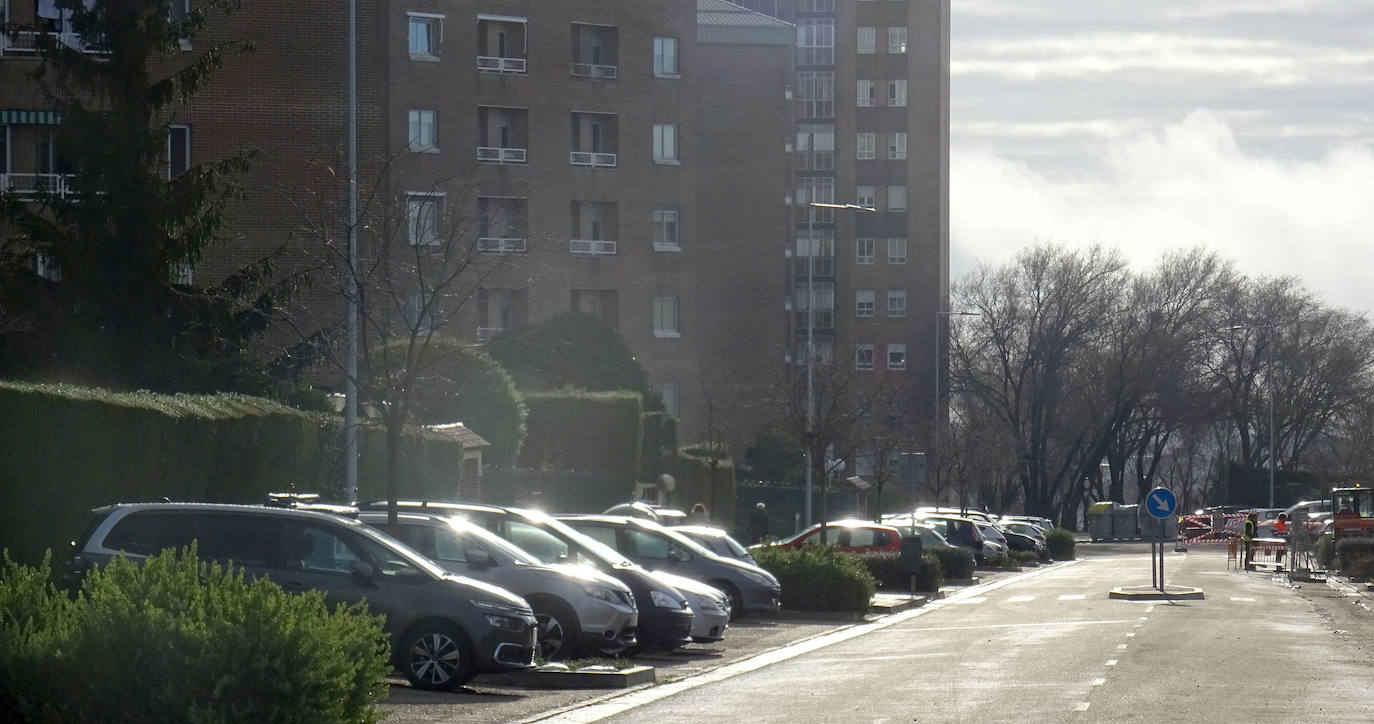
point(1161, 503)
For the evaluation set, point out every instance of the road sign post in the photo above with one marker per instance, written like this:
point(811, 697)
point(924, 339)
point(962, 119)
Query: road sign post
point(1160, 503)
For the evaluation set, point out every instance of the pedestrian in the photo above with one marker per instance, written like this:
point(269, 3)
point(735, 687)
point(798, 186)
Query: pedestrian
point(698, 515)
point(1281, 525)
point(758, 523)
point(1247, 536)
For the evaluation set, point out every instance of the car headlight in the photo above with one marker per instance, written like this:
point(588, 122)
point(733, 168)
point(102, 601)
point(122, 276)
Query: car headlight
point(663, 599)
point(761, 578)
point(607, 595)
point(501, 607)
point(710, 605)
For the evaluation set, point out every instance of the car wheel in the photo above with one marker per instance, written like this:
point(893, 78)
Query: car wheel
point(437, 656)
point(558, 630)
point(736, 600)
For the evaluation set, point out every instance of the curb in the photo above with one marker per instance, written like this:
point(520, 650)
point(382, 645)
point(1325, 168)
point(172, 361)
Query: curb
point(886, 605)
point(547, 679)
point(1357, 589)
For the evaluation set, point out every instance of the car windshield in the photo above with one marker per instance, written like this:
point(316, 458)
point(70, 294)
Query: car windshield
point(600, 552)
point(691, 545)
point(396, 557)
point(491, 540)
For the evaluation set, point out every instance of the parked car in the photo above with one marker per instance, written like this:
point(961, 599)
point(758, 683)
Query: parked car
point(444, 629)
point(711, 608)
point(579, 609)
point(1044, 524)
point(648, 511)
point(930, 538)
point(665, 617)
point(994, 543)
point(718, 541)
point(851, 535)
point(1022, 542)
point(750, 588)
point(957, 530)
point(1027, 529)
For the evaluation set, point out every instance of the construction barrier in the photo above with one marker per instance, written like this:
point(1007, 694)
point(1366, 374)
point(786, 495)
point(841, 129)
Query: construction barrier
point(1210, 528)
point(1264, 553)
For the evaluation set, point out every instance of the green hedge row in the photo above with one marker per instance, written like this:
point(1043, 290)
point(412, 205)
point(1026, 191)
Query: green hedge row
point(595, 432)
point(691, 469)
point(886, 569)
point(955, 562)
point(1350, 553)
point(179, 640)
point(819, 578)
point(1060, 543)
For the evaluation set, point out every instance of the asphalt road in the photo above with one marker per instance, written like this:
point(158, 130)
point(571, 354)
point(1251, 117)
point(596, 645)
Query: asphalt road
point(1050, 645)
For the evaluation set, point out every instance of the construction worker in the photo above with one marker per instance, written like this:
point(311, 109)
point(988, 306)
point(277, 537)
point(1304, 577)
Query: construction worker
point(1247, 536)
point(1281, 526)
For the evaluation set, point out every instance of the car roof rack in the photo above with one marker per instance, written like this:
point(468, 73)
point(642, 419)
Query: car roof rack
point(308, 501)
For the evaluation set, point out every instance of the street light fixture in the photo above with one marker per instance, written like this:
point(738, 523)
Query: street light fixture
point(811, 248)
point(1269, 379)
point(932, 468)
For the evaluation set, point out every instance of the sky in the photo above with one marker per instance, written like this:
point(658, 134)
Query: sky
point(1242, 126)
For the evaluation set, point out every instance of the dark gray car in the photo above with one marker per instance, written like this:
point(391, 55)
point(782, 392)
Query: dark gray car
point(444, 629)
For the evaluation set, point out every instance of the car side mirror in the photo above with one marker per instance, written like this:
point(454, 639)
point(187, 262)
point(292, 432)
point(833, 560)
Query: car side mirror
point(677, 555)
point(478, 558)
point(362, 570)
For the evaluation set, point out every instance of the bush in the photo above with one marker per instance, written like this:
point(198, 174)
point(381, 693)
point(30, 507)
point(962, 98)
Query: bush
point(1350, 550)
point(819, 578)
point(1060, 543)
point(886, 569)
point(1325, 552)
point(1001, 561)
point(1362, 567)
point(175, 639)
point(955, 562)
point(1025, 557)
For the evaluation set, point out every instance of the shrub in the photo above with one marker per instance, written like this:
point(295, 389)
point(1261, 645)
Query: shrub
point(819, 578)
point(1361, 567)
point(886, 569)
point(1349, 550)
point(175, 639)
point(955, 562)
point(1060, 543)
point(1325, 551)
point(1002, 561)
point(1024, 557)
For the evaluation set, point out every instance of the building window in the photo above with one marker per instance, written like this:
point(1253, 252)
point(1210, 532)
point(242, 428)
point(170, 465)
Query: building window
point(896, 250)
point(665, 57)
point(868, 40)
point(816, 6)
point(896, 303)
point(665, 231)
point(815, 94)
point(817, 248)
point(501, 42)
point(896, 198)
point(178, 150)
point(864, 303)
point(595, 51)
point(896, 356)
point(865, 195)
point(896, 40)
point(863, 357)
point(426, 32)
point(896, 147)
point(820, 189)
point(864, 250)
point(816, 41)
point(665, 143)
point(896, 93)
point(816, 147)
point(665, 317)
point(420, 311)
point(823, 316)
point(669, 392)
point(867, 145)
point(422, 131)
point(867, 93)
point(422, 219)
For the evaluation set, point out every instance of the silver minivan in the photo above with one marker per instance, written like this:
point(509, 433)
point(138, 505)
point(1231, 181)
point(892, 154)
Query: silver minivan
point(580, 610)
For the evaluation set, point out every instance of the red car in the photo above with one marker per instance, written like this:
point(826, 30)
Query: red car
point(852, 536)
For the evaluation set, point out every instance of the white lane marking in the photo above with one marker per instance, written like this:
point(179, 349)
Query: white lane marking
point(1099, 682)
point(1013, 625)
point(1130, 635)
point(1121, 647)
point(1020, 599)
point(1144, 618)
point(1111, 662)
point(1081, 706)
point(1073, 597)
point(887, 657)
point(622, 702)
point(970, 601)
point(1242, 598)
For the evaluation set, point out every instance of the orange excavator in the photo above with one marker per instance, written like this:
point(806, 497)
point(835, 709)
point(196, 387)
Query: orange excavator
point(1352, 512)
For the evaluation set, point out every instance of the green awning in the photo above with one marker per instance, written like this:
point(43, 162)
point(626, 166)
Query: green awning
point(20, 117)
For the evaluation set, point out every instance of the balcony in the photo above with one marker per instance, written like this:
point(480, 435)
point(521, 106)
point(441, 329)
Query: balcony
point(592, 247)
point(598, 72)
point(32, 186)
point(587, 158)
point(497, 154)
point(501, 245)
point(26, 42)
point(498, 64)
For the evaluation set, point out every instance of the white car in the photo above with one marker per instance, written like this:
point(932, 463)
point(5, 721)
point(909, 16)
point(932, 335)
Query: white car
point(710, 606)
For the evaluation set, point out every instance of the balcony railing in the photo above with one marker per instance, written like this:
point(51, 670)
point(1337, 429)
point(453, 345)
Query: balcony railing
point(26, 42)
point(497, 154)
point(484, 334)
point(592, 247)
point(588, 70)
point(30, 186)
point(501, 245)
point(497, 64)
point(587, 158)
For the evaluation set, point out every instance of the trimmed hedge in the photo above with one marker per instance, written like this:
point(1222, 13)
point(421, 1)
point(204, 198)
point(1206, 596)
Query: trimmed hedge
point(819, 578)
point(460, 383)
point(1060, 543)
point(1351, 550)
point(691, 469)
point(657, 445)
point(955, 562)
point(885, 567)
point(595, 432)
point(174, 639)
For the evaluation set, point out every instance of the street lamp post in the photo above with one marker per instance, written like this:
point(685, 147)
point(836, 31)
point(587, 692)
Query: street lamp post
point(811, 248)
point(931, 468)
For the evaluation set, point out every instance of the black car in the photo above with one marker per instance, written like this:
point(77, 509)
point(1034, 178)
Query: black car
point(665, 618)
point(444, 629)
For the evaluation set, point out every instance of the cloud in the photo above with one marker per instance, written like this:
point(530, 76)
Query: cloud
point(1178, 186)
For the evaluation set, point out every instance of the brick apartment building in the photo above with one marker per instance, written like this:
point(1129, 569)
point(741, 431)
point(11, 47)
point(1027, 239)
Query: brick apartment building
point(633, 159)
